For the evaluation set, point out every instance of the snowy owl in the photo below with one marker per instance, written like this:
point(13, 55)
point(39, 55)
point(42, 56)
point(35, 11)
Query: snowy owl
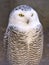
point(23, 39)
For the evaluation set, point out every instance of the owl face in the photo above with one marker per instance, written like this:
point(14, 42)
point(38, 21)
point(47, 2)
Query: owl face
point(23, 17)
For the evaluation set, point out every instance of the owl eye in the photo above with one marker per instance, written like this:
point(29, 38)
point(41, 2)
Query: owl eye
point(31, 15)
point(21, 15)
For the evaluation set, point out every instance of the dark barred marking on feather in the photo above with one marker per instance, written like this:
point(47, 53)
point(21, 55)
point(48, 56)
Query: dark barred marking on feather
point(23, 7)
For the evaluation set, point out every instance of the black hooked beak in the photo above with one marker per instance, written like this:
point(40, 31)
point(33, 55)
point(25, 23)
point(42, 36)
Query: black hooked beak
point(27, 21)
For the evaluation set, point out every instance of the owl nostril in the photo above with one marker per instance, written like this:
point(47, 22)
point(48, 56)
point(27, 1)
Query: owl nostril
point(27, 22)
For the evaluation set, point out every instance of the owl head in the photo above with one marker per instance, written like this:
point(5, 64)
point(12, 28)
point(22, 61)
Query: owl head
point(23, 17)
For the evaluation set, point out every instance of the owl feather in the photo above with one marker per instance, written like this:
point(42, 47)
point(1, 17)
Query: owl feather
point(23, 39)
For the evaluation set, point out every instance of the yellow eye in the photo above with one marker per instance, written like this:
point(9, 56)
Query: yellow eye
point(21, 15)
point(31, 15)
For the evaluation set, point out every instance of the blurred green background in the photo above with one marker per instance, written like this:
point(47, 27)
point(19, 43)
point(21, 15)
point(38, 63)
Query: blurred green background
point(41, 6)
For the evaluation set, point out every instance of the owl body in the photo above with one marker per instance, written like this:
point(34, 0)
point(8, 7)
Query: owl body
point(24, 37)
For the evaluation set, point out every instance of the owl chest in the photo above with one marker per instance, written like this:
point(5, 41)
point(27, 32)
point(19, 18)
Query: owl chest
point(22, 41)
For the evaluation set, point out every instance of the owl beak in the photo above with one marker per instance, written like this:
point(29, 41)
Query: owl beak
point(27, 21)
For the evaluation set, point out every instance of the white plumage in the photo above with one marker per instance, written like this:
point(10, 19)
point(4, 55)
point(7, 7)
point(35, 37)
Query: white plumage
point(24, 37)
